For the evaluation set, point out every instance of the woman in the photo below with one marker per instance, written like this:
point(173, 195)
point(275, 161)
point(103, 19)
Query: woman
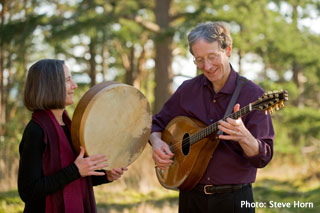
point(51, 177)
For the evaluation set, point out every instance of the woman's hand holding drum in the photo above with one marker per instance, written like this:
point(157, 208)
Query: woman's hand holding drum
point(88, 165)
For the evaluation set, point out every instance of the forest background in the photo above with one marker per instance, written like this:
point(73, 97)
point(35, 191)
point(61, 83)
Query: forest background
point(276, 43)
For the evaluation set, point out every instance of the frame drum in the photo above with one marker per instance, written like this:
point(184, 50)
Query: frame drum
point(113, 119)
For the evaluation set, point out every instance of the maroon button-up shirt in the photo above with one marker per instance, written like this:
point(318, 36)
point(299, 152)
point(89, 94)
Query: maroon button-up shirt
point(196, 98)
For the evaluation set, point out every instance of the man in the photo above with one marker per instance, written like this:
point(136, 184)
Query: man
point(247, 142)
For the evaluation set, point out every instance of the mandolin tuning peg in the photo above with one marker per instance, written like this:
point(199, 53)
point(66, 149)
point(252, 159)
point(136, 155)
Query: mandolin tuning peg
point(266, 112)
point(270, 110)
point(277, 107)
point(281, 104)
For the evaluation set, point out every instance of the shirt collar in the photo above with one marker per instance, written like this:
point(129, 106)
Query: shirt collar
point(230, 84)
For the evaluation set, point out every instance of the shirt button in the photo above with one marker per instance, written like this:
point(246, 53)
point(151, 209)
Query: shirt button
point(211, 120)
point(208, 178)
point(214, 100)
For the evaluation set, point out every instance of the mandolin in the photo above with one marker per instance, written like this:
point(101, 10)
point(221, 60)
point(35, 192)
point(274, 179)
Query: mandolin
point(193, 143)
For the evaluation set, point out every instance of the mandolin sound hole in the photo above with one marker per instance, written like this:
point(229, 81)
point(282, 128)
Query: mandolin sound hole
point(186, 144)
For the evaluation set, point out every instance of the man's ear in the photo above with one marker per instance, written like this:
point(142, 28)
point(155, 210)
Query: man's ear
point(229, 50)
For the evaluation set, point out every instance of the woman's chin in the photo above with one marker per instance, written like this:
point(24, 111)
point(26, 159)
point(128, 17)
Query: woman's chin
point(69, 102)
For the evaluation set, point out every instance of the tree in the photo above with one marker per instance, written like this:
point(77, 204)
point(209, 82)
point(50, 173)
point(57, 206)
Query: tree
point(16, 46)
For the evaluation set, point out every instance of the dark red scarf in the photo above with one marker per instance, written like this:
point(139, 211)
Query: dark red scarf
point(77, 196)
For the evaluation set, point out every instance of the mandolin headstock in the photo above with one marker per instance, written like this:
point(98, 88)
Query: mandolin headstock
point(269, 100)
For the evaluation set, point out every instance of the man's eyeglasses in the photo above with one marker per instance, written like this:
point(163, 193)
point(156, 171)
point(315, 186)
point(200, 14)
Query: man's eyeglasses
point(212, 58)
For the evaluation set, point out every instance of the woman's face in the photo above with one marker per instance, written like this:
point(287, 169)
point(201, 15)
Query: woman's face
point(70, 86)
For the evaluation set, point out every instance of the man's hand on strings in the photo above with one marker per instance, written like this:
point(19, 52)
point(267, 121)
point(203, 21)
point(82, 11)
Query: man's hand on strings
point(161, 152)
point(236, 131)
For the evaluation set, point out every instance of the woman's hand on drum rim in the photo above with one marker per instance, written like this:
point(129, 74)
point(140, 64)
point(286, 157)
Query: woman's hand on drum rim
point(115, 173)
point(88, 166)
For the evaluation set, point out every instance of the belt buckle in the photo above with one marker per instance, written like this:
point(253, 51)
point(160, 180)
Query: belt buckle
point(205, 190)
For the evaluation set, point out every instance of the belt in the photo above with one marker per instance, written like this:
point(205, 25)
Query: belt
point(211, 189)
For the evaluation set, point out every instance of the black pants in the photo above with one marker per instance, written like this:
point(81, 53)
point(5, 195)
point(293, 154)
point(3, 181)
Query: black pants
point(198, 202)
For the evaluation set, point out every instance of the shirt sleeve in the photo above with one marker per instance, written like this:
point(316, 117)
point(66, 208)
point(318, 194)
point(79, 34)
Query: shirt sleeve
point(32, 184)
point(98, 180)
point(170, 110)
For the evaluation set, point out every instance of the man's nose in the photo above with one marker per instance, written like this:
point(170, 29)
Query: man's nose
point(207, 65)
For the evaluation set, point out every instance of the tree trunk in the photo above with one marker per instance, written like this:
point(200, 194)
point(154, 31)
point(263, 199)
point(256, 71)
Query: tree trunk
point(296, 66)
point(2, 91)
point(8, 87)
point(163, 58)
point(240, 62)
point(298, 79)
point(104, 54)
point(141, 71)
point(130, 72)
point(92, 62)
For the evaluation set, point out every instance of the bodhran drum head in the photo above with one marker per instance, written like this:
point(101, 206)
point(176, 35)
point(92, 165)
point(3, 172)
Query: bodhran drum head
point(112, 119)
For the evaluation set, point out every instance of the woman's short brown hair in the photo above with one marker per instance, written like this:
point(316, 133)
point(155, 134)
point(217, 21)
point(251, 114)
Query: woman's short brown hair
point(45, 86)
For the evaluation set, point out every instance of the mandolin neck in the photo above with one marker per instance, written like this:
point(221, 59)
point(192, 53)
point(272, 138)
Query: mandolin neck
point(203, 133)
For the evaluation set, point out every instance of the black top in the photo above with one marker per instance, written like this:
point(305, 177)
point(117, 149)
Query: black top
point(33, 186)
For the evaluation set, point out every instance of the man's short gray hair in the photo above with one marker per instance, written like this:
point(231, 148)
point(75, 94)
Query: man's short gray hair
point(210, 32)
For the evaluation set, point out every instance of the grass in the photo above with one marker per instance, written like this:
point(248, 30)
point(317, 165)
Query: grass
point(160, 200)
point(281, 182)
point(283, 192)
point(127, 201)
point(133, 201)
point(10, 202)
